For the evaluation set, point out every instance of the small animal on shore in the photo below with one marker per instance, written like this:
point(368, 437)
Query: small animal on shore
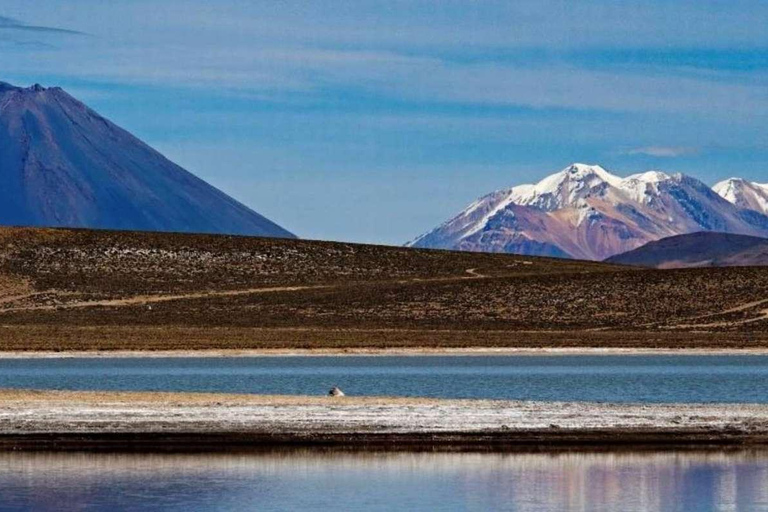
point(335, 391)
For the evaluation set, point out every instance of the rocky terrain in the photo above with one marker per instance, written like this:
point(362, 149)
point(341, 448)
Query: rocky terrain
point(586, 212)
point(102, 290)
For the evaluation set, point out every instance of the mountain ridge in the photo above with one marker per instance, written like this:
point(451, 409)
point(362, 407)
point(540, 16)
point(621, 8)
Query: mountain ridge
point(743, 193)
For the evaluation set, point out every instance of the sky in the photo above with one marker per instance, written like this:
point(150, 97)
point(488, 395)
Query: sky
point(375, 121)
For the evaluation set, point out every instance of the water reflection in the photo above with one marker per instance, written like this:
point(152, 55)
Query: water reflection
point(292, 480)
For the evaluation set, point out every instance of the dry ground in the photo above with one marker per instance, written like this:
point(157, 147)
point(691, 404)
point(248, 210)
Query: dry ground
point(88, 290)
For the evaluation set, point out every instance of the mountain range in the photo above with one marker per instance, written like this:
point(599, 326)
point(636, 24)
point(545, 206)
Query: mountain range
point(64, 165)
point(586, 212)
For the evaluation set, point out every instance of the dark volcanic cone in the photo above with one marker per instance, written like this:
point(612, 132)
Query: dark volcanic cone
point(62, 164)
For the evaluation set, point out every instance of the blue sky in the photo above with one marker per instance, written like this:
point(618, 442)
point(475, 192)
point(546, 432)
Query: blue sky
point(374, 121)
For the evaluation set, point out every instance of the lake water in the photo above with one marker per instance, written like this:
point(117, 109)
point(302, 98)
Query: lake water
point(296, 480)
point(333, 480)
point(562, 378)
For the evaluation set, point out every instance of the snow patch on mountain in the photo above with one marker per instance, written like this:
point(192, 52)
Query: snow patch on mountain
point(743, 193)
point(643, 187)
point(565, 188)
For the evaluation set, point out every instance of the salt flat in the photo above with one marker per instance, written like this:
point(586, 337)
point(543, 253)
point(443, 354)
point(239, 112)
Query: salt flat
point(53, 419)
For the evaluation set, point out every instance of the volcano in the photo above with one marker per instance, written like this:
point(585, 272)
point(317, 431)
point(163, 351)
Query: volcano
point(64, 165)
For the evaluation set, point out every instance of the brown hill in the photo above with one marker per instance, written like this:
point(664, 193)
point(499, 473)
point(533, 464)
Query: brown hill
point(78, 289)
point(698, 250)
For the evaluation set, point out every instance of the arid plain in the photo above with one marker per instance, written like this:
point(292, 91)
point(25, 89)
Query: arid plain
point(86, 290)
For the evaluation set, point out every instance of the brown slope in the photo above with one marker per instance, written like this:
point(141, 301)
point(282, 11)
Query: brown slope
point(587, 233)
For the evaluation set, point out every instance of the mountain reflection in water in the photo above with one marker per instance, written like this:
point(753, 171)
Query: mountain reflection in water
point(319, 480)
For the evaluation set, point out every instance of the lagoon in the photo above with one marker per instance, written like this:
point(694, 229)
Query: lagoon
point(590, 378)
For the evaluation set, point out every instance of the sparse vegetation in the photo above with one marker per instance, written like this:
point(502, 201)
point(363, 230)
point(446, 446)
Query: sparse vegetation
point(77, 289)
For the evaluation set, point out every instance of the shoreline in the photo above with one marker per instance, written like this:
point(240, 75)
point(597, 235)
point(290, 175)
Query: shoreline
point(150, 421)
point(398, 351)
point(528, 441)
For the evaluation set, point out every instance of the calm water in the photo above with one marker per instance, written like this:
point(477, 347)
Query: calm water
point(568, 378)
point(402, 481)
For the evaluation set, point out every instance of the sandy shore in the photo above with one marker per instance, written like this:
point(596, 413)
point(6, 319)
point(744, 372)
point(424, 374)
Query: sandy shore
point(163, 421)
point(400, 351)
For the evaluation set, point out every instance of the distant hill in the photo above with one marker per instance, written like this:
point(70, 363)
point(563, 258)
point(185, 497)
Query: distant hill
point(586, 212)
point(64, 165)
point(703, 249)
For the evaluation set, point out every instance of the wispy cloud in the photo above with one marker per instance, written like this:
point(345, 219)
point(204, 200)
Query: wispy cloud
point(7, 23)
point(663, 151)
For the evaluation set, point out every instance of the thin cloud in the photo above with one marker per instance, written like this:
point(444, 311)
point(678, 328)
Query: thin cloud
point(14, 24)
point(663, 151)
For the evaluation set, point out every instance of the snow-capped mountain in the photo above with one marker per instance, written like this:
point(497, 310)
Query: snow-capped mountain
point(584, 211)
point(744, 194)
point(62, 164)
